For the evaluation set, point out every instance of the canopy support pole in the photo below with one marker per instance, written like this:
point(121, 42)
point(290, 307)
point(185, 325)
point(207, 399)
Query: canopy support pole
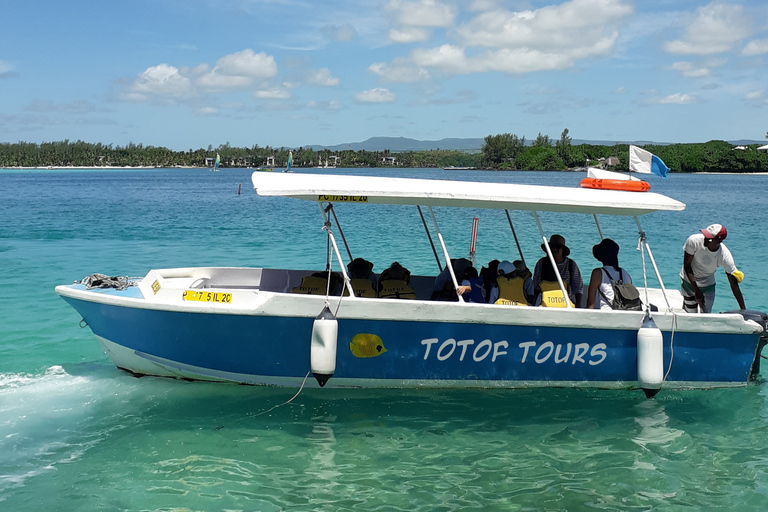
point(431, 243)
point(597, 223)
point(445, 252)
point(327, 228)
point(512, 227)
point(552, 259)
point(343, 238)
point(644, 241)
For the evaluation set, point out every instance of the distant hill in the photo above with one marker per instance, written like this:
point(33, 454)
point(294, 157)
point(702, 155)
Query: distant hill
point(401, 144)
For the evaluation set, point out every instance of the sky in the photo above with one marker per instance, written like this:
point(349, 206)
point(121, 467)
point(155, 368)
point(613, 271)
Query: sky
point(186, 74)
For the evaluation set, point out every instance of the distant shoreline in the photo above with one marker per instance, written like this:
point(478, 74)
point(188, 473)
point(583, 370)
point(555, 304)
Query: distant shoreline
point(152, 167)
point(104, 167)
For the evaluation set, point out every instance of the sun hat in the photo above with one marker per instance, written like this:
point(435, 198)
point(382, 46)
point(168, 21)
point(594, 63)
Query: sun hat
point(606, 252)
point(716, 231)
point(557, 240)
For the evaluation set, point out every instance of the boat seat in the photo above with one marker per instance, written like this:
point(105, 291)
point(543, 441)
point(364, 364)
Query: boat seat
point(317, 284)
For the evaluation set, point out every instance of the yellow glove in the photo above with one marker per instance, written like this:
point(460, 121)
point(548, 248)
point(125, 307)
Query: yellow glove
point(738, 274)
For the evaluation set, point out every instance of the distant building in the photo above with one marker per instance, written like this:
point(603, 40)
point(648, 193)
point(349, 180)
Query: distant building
point(764, 149)
point(611, 161)
point(389, 160)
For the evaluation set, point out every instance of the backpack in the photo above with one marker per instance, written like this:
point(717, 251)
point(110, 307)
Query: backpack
point(625, 296)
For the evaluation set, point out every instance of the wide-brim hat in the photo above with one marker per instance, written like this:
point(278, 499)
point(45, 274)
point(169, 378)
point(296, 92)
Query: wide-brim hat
point(607, 251)
point(557, 240)
point(715, 231)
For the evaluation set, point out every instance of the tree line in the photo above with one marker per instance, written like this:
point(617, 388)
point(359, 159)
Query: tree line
point(509, 152)
point(500, 152)
point(84, 154)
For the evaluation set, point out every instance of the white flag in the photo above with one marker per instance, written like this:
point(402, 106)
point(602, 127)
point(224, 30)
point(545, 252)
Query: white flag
point(645, 162)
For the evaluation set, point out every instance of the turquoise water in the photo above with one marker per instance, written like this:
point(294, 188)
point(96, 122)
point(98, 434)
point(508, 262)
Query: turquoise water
point(78, 434)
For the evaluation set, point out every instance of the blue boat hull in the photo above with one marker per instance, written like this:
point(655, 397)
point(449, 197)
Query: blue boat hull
point(261, 349)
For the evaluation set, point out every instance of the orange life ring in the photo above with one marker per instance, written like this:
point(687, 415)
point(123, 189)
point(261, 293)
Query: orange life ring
point(630, 185)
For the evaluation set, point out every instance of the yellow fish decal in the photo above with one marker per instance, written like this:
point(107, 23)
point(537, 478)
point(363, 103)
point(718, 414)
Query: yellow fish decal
point(366, 345)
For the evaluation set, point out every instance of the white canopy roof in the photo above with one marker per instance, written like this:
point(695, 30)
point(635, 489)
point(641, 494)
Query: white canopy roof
point(464, 194)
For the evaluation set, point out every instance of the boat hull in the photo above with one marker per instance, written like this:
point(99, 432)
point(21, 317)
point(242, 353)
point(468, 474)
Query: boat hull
point(388, 344)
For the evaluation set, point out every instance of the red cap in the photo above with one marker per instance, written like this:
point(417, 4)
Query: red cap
point(716, 231)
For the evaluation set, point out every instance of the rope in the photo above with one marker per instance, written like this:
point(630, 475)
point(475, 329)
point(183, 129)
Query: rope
point(671, 345)
point(641, 245)
point(105, 281)
point(289, 401)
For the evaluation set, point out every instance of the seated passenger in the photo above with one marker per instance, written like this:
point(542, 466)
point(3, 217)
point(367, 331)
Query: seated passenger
point(466, 276)
point(471, 287)
point(489, 275)
point(394, 283)
point(362, 279)
point(600, 294)
point(569, 271)
point(513, 285)
point(549, 292)
point(317, 284)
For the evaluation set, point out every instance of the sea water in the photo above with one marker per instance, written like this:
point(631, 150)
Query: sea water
point(78, 434)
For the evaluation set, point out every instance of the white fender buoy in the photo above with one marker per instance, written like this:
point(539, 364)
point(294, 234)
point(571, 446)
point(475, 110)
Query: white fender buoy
point(650, 357)
point(325, 332)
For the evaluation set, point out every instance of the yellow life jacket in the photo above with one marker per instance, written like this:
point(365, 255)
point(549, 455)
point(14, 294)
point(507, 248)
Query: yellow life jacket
point(552, 295)
point(312, 285)
point(361, 287)
point(511, 290)
point(396, 289)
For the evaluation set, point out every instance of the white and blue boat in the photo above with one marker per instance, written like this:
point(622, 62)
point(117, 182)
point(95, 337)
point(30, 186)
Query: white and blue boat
point(248, 325)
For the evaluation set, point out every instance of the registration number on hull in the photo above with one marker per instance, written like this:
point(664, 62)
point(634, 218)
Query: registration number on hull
point(199, 296)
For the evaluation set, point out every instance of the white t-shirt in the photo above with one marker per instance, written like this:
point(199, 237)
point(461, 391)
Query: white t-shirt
point(705, 262)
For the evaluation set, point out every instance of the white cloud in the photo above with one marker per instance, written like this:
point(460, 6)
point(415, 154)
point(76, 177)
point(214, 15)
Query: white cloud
point(550, 38)
point(570, 25)
point(756, 99)
point(272, 94)
point(247, 63)
point(422, 13)
point(161, 80)
point(756, 47)
point(407, 35)
point(323, 78)
point(413, 21)
point(377, 95)
point(688, 69)
point(714, 28)
point(400, 70)
point(678, 99)
point(448, 58)
point(238, 70)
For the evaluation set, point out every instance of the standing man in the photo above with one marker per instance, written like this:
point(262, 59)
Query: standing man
point(703, 253)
